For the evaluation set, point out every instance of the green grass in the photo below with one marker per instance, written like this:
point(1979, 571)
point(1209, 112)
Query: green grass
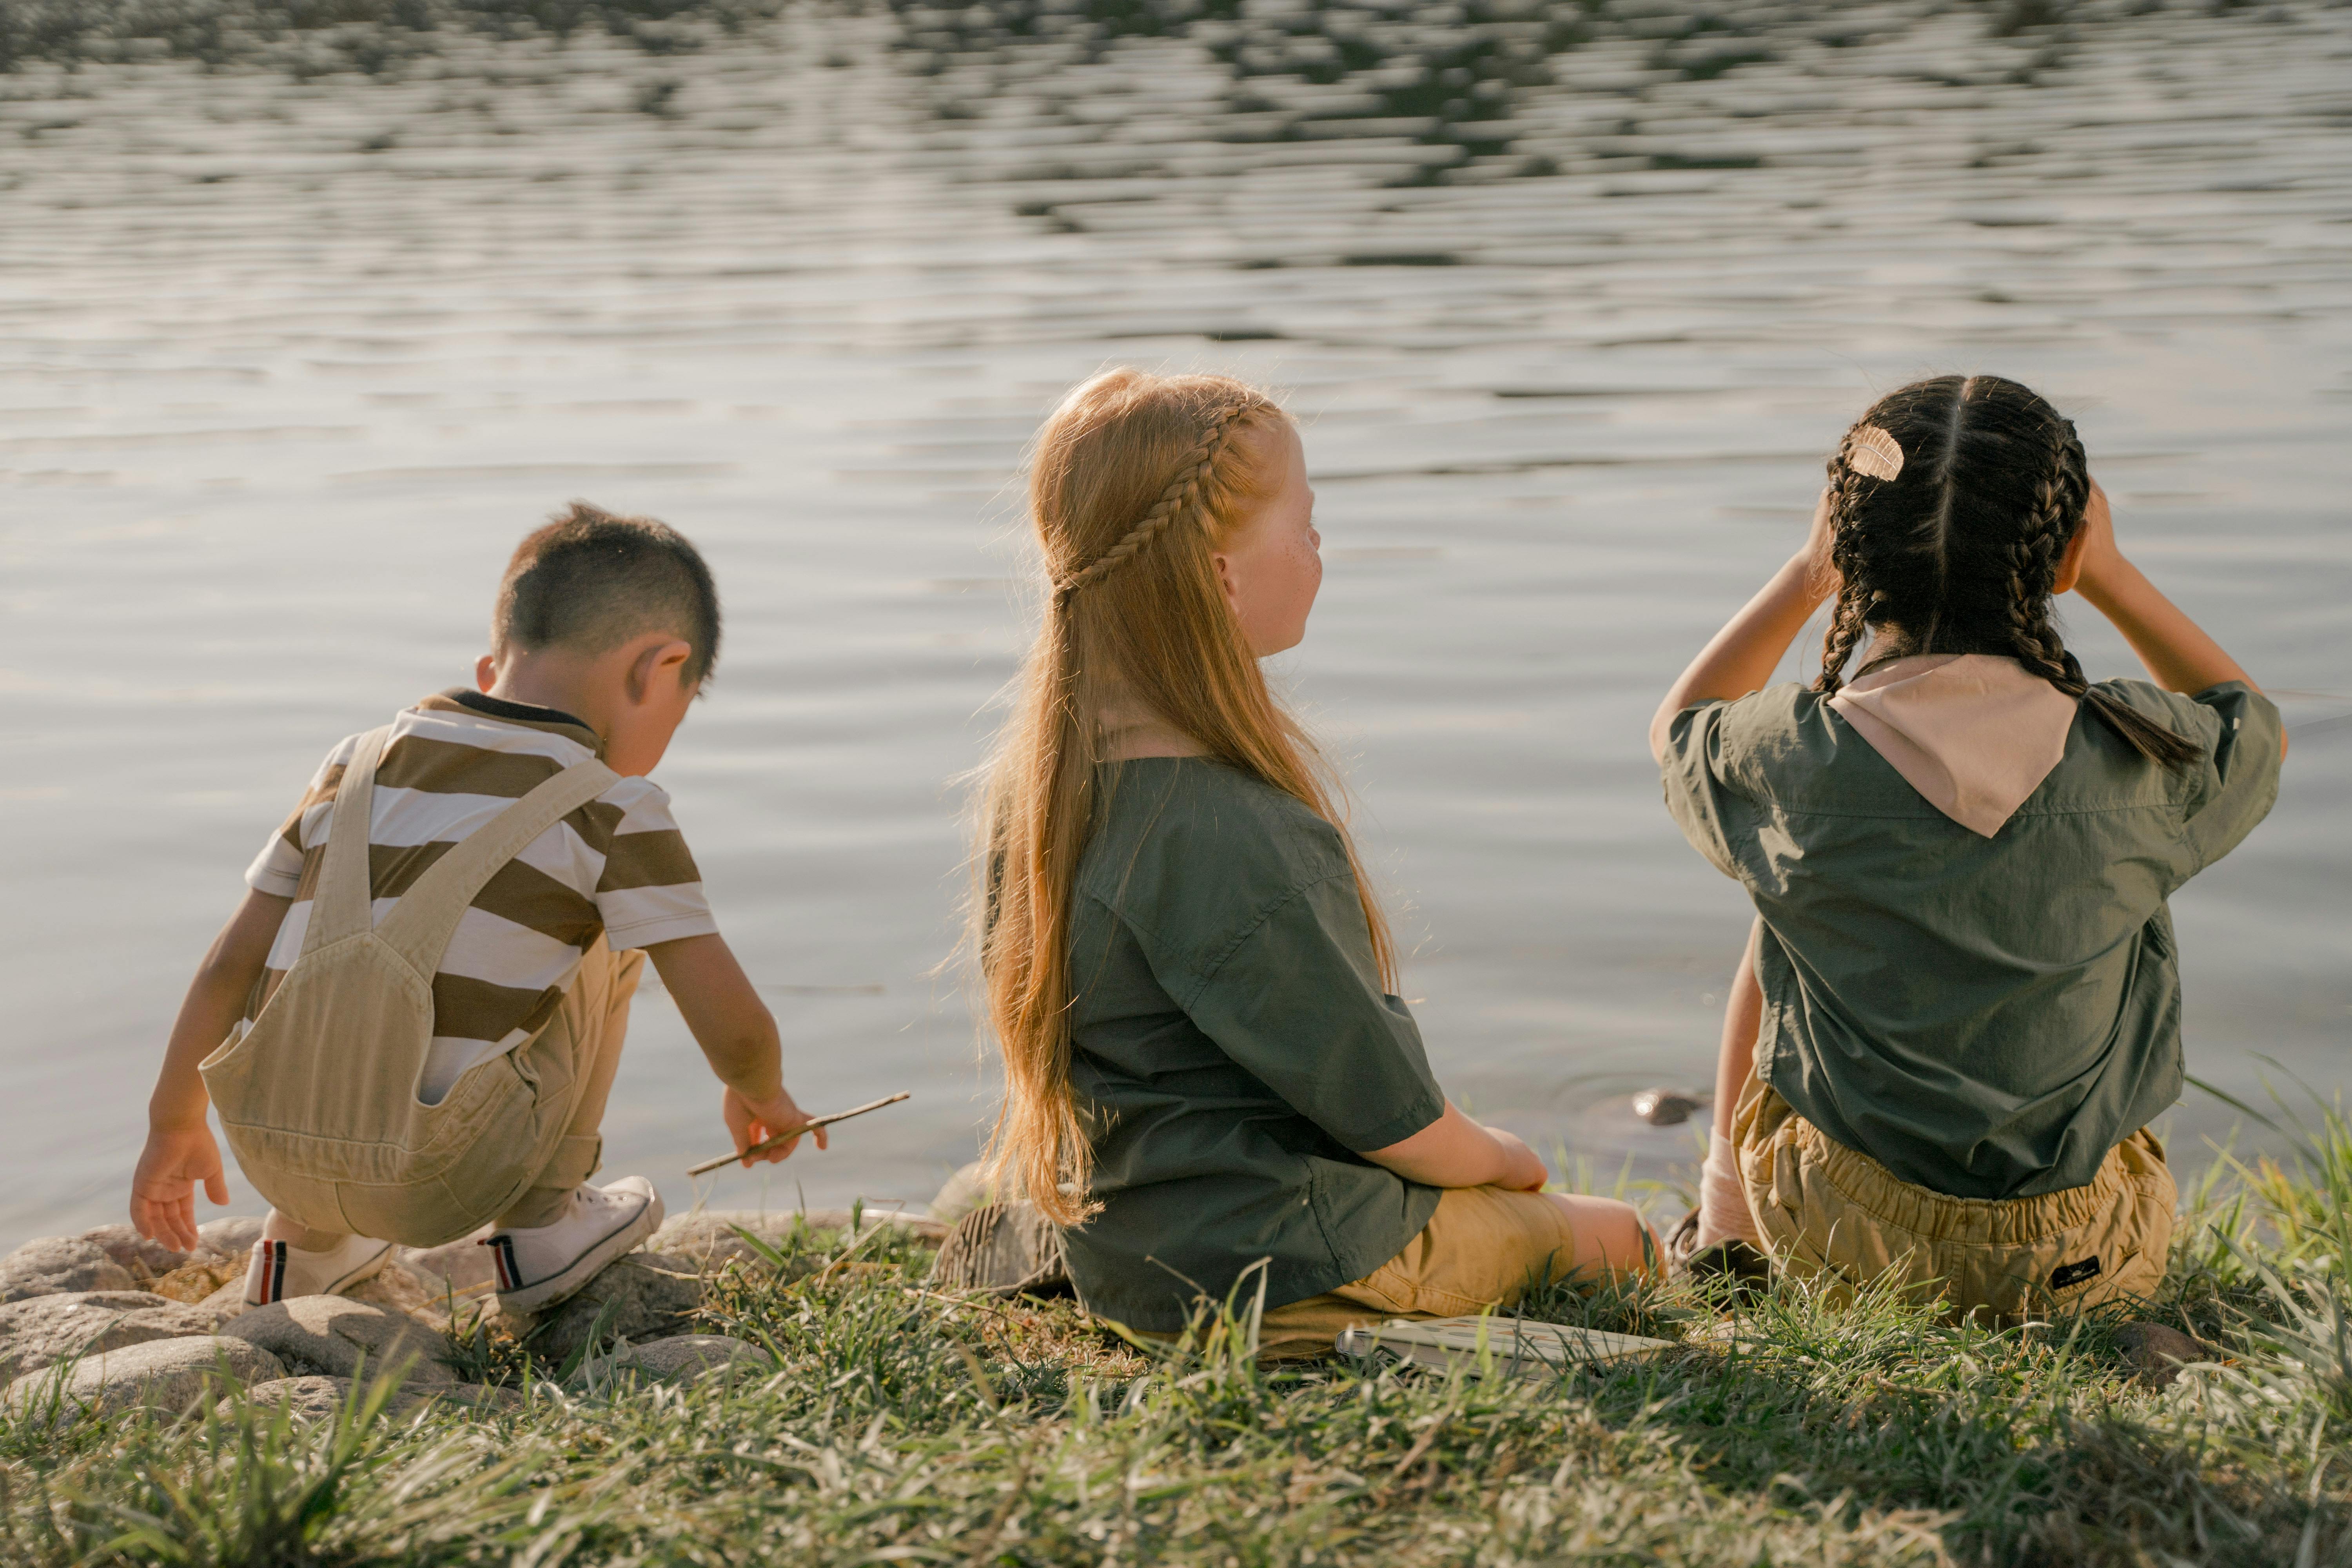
point(901, 1425)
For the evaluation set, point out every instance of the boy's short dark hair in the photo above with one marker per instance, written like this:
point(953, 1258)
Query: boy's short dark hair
point(591, 580)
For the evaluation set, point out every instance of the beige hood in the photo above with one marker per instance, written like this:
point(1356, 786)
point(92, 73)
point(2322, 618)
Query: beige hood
point(1974, 734)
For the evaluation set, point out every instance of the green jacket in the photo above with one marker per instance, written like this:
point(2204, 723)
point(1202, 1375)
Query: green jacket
point(1986, 1018)
point(1232, 1052)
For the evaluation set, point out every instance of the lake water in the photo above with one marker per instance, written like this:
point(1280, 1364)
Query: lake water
point(286, 367)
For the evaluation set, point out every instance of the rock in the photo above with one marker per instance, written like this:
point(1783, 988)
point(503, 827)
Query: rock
point(165, 1373)
point(330, 1334)
point(196, 1281)
point(146, 1261)
point(683, 1359)
point(319, 1398)
point(463, 1263)
point(1008, 1249)
point(709, 1239)
point(412, 1292)
point(228, 1301)
point(2156, 1352)
point(232, 1238)
point(643, 1296)
point(58, 1265)
point(42, 1330)
point(965, 1191)
point(310, 1398)
point(1665, 1107)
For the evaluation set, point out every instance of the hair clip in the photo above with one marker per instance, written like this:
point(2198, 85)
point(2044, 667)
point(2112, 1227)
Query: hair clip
point(1870, 450)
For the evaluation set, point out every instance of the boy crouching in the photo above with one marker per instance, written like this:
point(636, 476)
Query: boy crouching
point(411, 1024)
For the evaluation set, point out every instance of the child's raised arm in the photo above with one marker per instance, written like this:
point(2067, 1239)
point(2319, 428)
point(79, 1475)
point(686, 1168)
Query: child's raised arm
point(737, 1035)
point(1743, 655)
point(2179, 654)
point(180, 1151)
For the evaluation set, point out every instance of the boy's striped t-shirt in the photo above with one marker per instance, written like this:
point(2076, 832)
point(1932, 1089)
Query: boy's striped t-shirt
point(616, 865)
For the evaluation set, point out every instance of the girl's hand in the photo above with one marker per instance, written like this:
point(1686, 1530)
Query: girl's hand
point(1522, 1171)
point(751, 1121)
point(163, 1188)
point(2100, 556)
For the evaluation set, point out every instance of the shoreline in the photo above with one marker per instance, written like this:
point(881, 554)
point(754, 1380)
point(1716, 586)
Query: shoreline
point(817, 1392)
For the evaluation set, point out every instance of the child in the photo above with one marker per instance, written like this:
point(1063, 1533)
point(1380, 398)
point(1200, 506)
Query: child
point(412, 1023)
point(1960, 997)
point(1193, 993)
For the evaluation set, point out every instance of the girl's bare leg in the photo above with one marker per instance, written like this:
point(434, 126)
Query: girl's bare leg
point(1723, 1213)
point(1611, 1239)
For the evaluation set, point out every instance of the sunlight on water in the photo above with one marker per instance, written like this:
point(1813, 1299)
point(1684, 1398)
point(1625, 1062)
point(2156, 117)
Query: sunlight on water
point(1571, 311)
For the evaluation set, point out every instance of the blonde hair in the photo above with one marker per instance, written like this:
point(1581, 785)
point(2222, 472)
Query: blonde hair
point(1137, 479)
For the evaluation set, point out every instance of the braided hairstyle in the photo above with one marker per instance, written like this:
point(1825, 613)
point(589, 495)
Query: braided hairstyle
point(1138, 480)
point(1959, 553)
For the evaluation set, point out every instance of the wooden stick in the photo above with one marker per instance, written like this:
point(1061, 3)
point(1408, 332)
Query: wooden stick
point(765, 1144)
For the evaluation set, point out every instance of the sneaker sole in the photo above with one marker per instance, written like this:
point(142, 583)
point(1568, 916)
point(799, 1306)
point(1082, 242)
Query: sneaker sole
point(561, 1287)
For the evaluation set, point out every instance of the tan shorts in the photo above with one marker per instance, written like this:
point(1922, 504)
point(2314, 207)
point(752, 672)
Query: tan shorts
point(1827, 1212)
point(1482, 1247)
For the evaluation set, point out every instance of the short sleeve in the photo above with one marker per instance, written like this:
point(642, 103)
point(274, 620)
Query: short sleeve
point(650, 890)
point(1296, 1001)
point(1703, 803)
point(2242, 772)
point(278, 869)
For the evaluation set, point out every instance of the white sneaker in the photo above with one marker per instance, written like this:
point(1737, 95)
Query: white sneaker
point(544, 1264)
point(280, 1269)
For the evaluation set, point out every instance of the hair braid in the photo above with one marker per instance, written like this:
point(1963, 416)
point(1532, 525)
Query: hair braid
point(1849, 621)
point(1180, 499)
point(2062, 496)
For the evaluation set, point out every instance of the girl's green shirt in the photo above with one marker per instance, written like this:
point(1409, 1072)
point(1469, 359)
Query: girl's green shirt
point(1232, 1052)
point(1986, 1018)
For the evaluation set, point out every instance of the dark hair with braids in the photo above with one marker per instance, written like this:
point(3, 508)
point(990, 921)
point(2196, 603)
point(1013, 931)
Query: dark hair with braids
point(1138, 480)
point(1960, 551)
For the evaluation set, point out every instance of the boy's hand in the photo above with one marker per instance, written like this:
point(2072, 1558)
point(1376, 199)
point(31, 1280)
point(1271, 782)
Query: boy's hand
point(754, 1121)
point(1522, 1171)
point(163, 1190)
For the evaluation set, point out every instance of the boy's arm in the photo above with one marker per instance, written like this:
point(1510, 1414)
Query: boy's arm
point(1455, 1152)
point(1743, 655)
point(180, 1151)
point(738, 1036)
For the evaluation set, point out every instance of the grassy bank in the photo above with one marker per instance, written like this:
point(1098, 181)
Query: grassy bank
point(903, 1425)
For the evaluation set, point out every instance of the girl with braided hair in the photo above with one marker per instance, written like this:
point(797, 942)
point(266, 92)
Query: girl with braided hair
point(1959, 1008)
point(1210, 1081)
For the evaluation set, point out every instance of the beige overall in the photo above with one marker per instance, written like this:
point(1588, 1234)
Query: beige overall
point(319, 1099)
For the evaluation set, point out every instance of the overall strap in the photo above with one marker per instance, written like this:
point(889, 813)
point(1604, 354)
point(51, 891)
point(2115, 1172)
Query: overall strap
point(343, 905)
point(427, 916)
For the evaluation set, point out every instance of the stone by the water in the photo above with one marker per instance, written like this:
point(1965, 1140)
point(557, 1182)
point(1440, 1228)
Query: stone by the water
point(318, 1397)
point(684, 1358)
point(59, 1265)
point(1005, 1248)
point(2157, 1354)
point(42, 1330)
point(1665, 1107)
point(643, 1295)
point(165, 1373)
point(332, 1335)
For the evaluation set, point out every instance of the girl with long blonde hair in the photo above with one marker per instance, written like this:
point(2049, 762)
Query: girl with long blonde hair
point(1207, 1067)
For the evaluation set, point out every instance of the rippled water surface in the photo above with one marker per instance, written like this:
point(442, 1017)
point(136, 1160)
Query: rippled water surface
point(1571, 313)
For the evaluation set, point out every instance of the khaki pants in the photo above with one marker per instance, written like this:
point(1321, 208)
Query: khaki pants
point(595, 1017)
point(1828, 1213)
point(568, 1067)
point(1482, 1247)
